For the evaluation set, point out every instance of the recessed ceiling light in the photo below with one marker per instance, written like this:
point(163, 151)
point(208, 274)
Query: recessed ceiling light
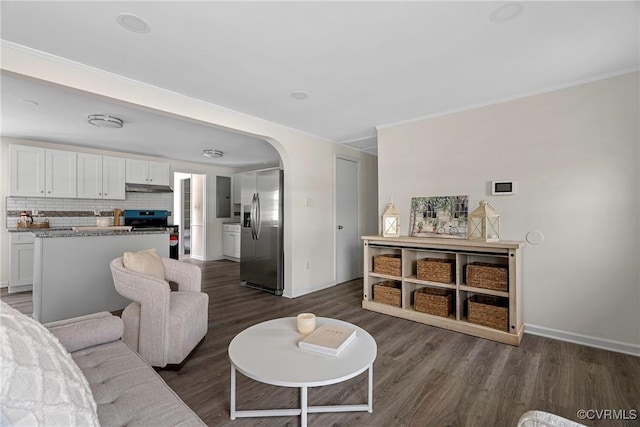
point(212, 153)
point(506, 12)
point(133, 23)
point(299, 95)
point(105, 121)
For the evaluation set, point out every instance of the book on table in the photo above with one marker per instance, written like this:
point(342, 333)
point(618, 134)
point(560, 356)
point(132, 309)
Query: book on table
point(328, 339)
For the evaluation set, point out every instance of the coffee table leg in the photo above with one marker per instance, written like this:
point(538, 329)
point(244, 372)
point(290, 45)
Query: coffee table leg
point(303, 406)
point(370, 397)
point(233, 392)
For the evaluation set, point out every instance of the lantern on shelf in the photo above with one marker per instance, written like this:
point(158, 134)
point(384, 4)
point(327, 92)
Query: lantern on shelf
point(484, 223)
point(390, 221)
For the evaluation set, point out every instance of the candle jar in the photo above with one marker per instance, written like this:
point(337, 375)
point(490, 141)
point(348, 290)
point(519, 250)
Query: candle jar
point(306, 323)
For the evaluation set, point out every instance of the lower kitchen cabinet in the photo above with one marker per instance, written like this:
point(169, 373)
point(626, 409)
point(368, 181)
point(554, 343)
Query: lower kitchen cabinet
point(21, 278)
point(231, 241)
point(465, 286)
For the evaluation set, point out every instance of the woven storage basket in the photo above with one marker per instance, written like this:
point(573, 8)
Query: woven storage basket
point(434, 301)
point(436, 270)
point(488, 276)
point(387, 292)
point(489, 311)
point(388, 264)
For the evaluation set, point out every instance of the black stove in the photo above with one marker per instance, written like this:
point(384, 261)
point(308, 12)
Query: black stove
point(154, 220)
point(146, 219)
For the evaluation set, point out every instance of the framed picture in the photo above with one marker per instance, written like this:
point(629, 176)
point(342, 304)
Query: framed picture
point(439, 216)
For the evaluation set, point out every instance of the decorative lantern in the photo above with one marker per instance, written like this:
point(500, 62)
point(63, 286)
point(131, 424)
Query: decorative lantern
point(484, 223)
point(390, 221)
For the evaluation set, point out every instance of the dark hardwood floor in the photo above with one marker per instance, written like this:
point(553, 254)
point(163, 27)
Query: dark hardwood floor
point(423, 376)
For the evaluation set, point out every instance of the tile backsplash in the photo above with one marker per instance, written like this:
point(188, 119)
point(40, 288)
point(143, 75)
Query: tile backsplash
point(79, 212)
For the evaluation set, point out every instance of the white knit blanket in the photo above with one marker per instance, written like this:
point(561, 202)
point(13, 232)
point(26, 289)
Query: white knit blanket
point(40, 383)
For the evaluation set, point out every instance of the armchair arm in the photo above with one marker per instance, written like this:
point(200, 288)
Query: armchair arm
point(187, 276)
point(86, 331)
point(153, 296)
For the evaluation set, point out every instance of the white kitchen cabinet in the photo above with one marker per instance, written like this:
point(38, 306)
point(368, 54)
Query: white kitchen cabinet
point(101, 177)
point(60, 173)
point(159, 173)
point(40, 172)
point(113, 177)
point(231, 241)
point(26, 171)
point(22, 244)
point(146, 172)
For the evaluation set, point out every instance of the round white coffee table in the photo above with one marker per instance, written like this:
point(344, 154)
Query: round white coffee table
point(268, 352)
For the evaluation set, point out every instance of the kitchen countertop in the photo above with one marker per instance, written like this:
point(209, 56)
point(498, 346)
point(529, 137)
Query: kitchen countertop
point(44, 233)
point(31, 230)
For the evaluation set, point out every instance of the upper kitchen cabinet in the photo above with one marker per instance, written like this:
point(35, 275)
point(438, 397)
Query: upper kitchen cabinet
point(101, 177)
point(40, 172)
point(27, 171)
point(146, 172)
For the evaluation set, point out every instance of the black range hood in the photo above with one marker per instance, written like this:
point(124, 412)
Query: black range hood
point(147, 188)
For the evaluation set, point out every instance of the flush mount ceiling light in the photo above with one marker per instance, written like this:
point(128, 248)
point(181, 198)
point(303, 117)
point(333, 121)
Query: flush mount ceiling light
point(299, 95)
point(105, 121)
point(133, 23)
point(212, 153)
point(506, 12)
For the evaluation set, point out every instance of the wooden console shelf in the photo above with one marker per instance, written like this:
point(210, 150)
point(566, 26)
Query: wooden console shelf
point(507, 254)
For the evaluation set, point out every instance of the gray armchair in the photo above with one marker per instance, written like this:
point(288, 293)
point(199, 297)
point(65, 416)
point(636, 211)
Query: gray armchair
point(162, 326)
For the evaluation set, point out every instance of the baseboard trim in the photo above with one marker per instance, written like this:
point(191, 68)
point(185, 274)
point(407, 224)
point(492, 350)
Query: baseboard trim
point(315, 289)
point(4, 284)
point(589, 341)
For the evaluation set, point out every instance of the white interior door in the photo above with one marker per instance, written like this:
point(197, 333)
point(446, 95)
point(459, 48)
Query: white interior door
point(347, 223)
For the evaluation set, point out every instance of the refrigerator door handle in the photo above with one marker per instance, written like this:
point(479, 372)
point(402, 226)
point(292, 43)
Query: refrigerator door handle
point(258, 216)
point(252, 217)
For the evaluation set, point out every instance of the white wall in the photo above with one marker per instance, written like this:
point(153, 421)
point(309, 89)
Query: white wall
point(308, 161)
point(576, 155)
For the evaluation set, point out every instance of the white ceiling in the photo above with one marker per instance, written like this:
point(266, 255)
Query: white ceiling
point(61, 117)
point(363, 64)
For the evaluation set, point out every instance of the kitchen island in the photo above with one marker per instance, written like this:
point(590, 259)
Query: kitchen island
point(71, 269)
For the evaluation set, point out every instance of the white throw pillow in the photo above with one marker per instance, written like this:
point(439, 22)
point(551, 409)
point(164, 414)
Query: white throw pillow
point(41, 384)
point(146, 262)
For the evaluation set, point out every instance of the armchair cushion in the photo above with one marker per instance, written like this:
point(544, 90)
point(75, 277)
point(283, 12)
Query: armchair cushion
point(146, 262)
point(41, 385)
point(87, 331)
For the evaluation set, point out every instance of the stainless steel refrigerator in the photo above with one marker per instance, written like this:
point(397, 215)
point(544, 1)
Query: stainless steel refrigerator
point(261, 250)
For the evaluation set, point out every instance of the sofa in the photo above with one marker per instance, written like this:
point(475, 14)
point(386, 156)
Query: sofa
point(79, 372)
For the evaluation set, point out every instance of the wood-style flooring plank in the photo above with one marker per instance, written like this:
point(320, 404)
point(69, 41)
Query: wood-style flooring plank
point(423, 375)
